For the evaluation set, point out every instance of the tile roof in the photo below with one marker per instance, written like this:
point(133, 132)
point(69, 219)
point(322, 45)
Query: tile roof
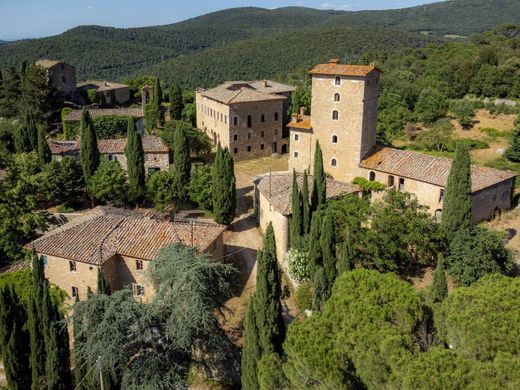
point(280, 191)
point(63, 147)
point(100, 85)
point(48, 63)
point(106, 231)
point(268, 86)
point(428, 169)
point(135, 112)
point(15, 267)
point(336, 69)
point(242, 92)
point(300, 122)
point(151, 144)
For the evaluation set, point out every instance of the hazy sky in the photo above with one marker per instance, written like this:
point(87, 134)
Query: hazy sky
point(37, 18)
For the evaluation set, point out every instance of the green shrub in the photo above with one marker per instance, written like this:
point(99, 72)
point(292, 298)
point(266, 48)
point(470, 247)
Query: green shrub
point(304, 295)
point(493, 133)
point(367, 185)
point(474, 144)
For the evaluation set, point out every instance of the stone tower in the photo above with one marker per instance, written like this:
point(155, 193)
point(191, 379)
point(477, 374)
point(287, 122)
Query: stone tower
point(343, 119)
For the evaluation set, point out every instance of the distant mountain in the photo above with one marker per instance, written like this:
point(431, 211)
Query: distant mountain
point(105, 52)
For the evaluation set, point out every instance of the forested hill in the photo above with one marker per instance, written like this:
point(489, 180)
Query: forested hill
point(105, 52)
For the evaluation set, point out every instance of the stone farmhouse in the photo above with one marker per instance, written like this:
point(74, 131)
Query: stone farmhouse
point(134, 112)
point(246, 117)
point(344, 119)
point(62, 76)
point(157, 156)
point(272, 202)
point(109, 92)
point(121, 244)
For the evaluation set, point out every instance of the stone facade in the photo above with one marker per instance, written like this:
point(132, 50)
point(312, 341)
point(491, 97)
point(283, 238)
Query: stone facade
point(109, 92)
point(153, 162)
point(62, 76)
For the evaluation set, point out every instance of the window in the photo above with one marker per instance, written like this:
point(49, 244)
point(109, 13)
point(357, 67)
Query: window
point(72, 266)
point(235, 150)
point(438, 215)
point(275, 116)
point(74, 291)
point(262, 134)
point(225, 119)
point(337, 81)
point(249, 135)
point(295, 154)
point(235, 137)
point(297, 137)
point(235, 121)
point(441, 195)
point(336, 97)
point(138, 290)
point(139, 265)
point(249, 148)
point(401, 184)
point(333, 162)
point(43, 258)
point(152, 171)
point(261, 146)
point(334, 139)
point(390, 181)
point(262, 118)
point(249, 121)
point(372, 176)
point(335, 115)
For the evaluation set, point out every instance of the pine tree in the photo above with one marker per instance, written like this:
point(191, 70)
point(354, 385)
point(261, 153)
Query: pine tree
point(328, 250)
point(135, 162)
point(176, 104)
point(251, 352)
point(346, 259)
point(223, 187)
point(269, 320)
point(319, 186)
point(296, 219)
point(306, 213)
point(89, 152)
point(513, 152)
point(456, 213)
point(44, 152)
point(14, 340)
point(102, 285)
point(181, 161)
point(439, 287)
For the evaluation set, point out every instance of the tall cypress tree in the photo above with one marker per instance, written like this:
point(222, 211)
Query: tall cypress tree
point(176, 104)
point(181, 161)
point(11, 91)
point(14, 340)
point(135, 162)
point(319, 186)
point(346, 258)
point(251, 353)
point(223, 187)
point(306, 214)
point(456, 212)
point(328, 250)
point(89, 152)
point(296, 207)
point(269, 320)
point(102, 285)
point(26, 135)
point(44, 152)
point(439, 287)
point(513, 152)
point(157, 100)
point(315, 255)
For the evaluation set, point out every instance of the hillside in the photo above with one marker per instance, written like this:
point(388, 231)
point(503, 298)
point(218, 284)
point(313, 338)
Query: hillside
point(106, 52)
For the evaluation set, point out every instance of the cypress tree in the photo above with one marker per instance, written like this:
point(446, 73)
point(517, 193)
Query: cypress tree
point(513, 152)
point(315, 255)
point(157, 100)
point(346, 259)
point(89, 152)
point(80, 366)
point(296, 206)
point(44, 152)
point(181, 161)
point(176, 104)
point(14, 340)
point(135, 162)
point(251, 352)
point(269, 320)
point(25, 136)
point(223, 187)
point(319, 186)
point(439, 287)
point(306, 214)
point(328, 250)
point(11, 91)
point(456, 213)
point(32, 131)
point(102, 285)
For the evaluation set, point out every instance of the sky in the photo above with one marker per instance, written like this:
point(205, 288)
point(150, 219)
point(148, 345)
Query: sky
point(38, 18)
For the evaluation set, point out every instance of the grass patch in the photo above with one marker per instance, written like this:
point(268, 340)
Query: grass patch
point(493, 134)
point(504, 164)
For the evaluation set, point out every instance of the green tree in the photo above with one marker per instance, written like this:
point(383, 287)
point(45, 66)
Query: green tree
point(456, 210)
point(26, 135)
point(153, 110)
point(513, 152)
point(224, 187)
point(464, 112)
point(62, 181)
point(102, 285)
point(199, 141)
point(315, 254)
point(327, 273)
point(161, 189)
point(296, 215)
point(306, 213)
point(431, 105)
point(319, 186)
point(251, 353)
point(89, 152)
point(270, 374)
point(44, 152)
point(200, 187)
point(135, 162)
point(181, 161)
point(109, 183)
point(176, 103)
point(10, 94)
point(346, 261)
point(38, 96)
point(439, 288)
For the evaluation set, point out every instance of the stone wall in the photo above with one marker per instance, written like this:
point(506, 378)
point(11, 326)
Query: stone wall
point(213, 118)
point(115, 96)
point(301, 149)
point(63, 77)
point(491, 201)
point(151, 160)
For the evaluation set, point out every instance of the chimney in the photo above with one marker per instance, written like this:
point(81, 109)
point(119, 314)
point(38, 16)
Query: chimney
point(302, 111)
point(295, 117)
point(334, 61)
point(265, 83)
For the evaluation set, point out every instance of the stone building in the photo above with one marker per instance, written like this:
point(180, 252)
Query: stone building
point(120, 243)
point(134, 112)
point(109, 92)
point(61, 75)
point(157, 156)
point(344, 119)
point(246, 117)
point(272, 202)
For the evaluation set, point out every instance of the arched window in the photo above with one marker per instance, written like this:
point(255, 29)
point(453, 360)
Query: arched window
point(337, 81)
point(335, 115)
point(336, 97)
point(438, 215)
point(372, 176)
point(333, 162)
point(334, 139)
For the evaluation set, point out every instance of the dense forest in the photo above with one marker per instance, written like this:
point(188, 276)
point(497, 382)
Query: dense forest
point(135, 48)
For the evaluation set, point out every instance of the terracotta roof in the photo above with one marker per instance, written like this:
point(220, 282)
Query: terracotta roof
point(111, 231)
point(101, 85)
point(242, 92)
point(135, 112)
point(15, 267)
point(280, 191)
point(151, 144)
point(428, 169)
point(303, 123)
point(63, 147)
point(268, 86)
point(336, 69)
